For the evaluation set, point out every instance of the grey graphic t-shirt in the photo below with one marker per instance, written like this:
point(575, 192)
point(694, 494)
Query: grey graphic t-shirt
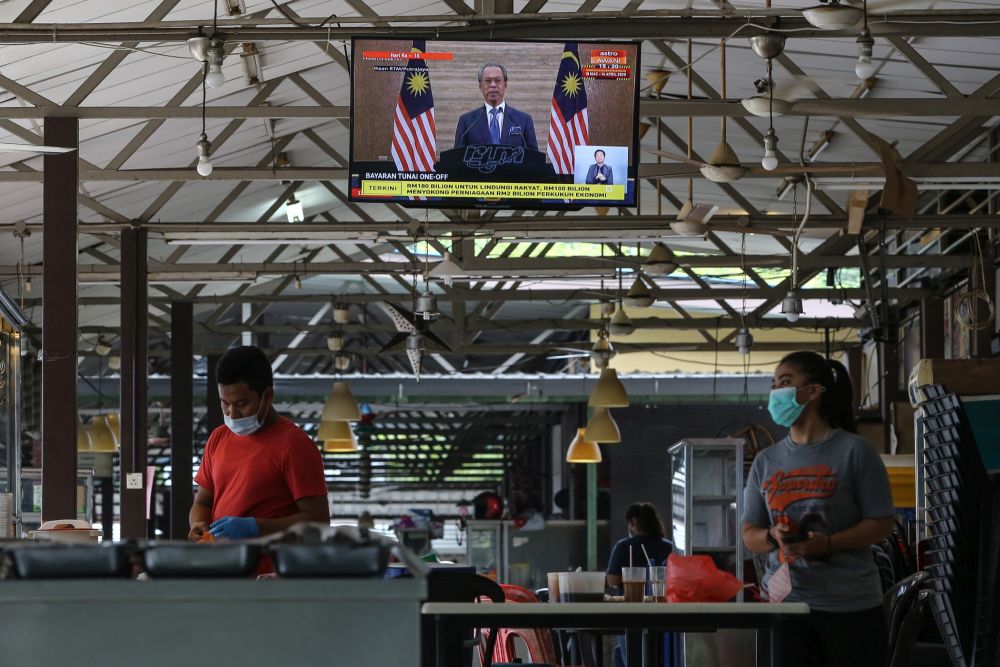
point(826, 487)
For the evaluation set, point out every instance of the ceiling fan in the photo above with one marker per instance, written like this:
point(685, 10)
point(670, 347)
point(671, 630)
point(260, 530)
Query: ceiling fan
point(413, 335)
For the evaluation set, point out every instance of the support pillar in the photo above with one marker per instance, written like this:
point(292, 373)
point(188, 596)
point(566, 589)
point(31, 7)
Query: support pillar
point(213, 409)
point(134, 384)
point(932, 328)
point(181, 422)
point(60, 183)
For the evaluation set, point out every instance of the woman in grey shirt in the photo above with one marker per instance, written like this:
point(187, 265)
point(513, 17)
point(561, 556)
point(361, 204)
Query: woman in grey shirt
point(816, 501)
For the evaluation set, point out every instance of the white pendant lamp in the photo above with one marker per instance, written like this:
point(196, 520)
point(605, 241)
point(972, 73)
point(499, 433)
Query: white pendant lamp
point(620, 324)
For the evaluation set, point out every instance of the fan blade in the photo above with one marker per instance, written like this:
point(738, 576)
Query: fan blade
point(792, 90)
point(568, 356)
point(829, 169)
point(856, 204)
point(879, 6)
point(676, 156)
point(29, 148)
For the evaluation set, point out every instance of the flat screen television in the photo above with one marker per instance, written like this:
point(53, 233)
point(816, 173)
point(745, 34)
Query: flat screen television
point(474, 124)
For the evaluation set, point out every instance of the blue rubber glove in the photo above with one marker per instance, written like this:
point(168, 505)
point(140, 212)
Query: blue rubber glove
point(234, 527)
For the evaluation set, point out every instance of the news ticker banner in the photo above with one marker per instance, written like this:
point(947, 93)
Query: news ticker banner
point(492, 190)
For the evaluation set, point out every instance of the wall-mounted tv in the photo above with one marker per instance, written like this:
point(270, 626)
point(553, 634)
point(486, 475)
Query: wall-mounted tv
point(474, 124)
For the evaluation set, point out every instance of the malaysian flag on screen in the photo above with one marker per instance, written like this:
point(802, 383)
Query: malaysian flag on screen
point(414, 146)
point(568, 125)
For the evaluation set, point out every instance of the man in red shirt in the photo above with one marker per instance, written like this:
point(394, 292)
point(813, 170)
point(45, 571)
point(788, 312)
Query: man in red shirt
point(260, 472)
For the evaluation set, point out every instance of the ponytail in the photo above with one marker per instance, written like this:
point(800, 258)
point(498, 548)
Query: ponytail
point(836, 405)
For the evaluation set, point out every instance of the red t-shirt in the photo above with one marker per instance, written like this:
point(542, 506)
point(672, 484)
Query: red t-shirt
point(261, 475)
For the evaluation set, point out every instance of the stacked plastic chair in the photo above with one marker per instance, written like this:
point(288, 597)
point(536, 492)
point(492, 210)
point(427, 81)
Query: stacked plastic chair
point(959, 510)
point(538, 642)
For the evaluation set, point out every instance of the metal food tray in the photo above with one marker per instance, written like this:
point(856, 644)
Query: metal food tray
point(69, 561)
point(330, 560)
point(186, 561)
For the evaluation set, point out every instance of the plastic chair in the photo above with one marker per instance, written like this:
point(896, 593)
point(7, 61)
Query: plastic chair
point(537, 641)
point(898, 600)
point(448, 586)
point(908, 632)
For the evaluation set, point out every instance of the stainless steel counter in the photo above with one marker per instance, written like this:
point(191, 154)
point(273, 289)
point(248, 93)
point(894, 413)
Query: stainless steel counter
point(213, 622)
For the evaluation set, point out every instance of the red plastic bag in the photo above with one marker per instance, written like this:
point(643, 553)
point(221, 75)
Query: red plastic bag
point(697, 579)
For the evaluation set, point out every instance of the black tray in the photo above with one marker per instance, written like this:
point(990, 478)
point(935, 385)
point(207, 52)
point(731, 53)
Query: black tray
point(186, 561)
point(70, 561)
point(330, 560)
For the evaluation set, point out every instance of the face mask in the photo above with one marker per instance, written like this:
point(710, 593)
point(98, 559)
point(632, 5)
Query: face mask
point(244, 425)
point(784, 409)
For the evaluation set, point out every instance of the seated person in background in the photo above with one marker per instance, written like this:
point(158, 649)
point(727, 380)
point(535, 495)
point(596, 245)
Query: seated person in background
point(644, 530)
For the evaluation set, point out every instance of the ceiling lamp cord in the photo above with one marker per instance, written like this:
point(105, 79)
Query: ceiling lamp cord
point(865, 69)
point(770, 159)
point(204, 146)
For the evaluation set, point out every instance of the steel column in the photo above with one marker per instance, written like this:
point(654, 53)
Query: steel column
point(59, 321)
point(181, 422)
point(932, 328)
point(213, 409)
point(133, 384)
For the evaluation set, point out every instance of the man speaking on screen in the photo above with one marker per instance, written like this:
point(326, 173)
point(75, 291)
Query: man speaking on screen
point(496, 122)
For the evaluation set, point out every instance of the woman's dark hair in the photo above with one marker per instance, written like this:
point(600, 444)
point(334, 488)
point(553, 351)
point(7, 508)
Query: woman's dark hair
point(646, 519)
point(836, 405)
point(245, 364)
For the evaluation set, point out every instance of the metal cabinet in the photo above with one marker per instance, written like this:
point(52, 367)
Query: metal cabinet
point(707, 500)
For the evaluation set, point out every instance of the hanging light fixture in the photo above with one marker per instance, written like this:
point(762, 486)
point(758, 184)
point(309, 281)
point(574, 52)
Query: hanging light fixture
point(83, 443)
point(415, 342)
point(198, 46)
point(102, 346)
point(340, 446)
point(770, 159)
point(335, 342)
point(582, 450)
point(341, 405)
point(214, 56)
point(638, 295)
point(659, 262)
point(101, 437)
point(341, 362)
point(335, 429)
point(865, 69)
point(620, 324)
point(791, 305)
point(115, 424)
point(204, 148)
point(341, 313)
point(609, 392)
point(602, 352)
point(602, 428)
point(293, 209)
point(833, 15)
point(427, 306)
point(114, 362)
point(744, 341)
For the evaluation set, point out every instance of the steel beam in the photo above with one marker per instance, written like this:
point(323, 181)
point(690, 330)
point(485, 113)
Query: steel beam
point(59, 322)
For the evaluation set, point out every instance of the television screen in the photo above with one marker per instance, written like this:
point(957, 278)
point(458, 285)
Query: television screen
point(462, 124)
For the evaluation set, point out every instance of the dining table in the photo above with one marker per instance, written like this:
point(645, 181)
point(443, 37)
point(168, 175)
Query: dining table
point(642, 623)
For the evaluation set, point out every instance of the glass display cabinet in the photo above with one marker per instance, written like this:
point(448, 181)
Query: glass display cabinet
point(707, 500)
point(12, 323)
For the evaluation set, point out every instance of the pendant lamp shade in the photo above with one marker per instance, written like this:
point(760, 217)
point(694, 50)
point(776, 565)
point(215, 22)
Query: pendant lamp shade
point(340, 405)
point(335, 430)
point(582, 450)
point(115, 422)
point(82, 436)
point(340, 446)
point(602, 427)
point(621, 324)
point(638, 295)
point(609, 392)
point(659, 262)
point(101, 437)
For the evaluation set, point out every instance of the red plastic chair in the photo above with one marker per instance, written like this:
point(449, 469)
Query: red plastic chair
point(537, 641)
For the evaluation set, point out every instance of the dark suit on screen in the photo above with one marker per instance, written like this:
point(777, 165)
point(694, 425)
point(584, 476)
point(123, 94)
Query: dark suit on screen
point(592, 175)
point(474, 128)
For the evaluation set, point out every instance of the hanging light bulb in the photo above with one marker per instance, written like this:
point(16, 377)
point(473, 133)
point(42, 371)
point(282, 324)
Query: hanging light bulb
point(335, 342)
point(791, 306)
point(341, 313)
point(204, 147)
point(341, 361)
point(620, 324)
point(293, 210)
point(102, 347)
point(770, 161)
point(865, 69)
point(114, 362)
point(602, 352)
point(744, 341)
point(215, 55)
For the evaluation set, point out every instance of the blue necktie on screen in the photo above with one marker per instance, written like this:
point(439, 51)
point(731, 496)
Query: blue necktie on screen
point(494, 125)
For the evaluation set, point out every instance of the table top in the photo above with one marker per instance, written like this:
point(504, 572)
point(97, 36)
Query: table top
point(563, 609)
